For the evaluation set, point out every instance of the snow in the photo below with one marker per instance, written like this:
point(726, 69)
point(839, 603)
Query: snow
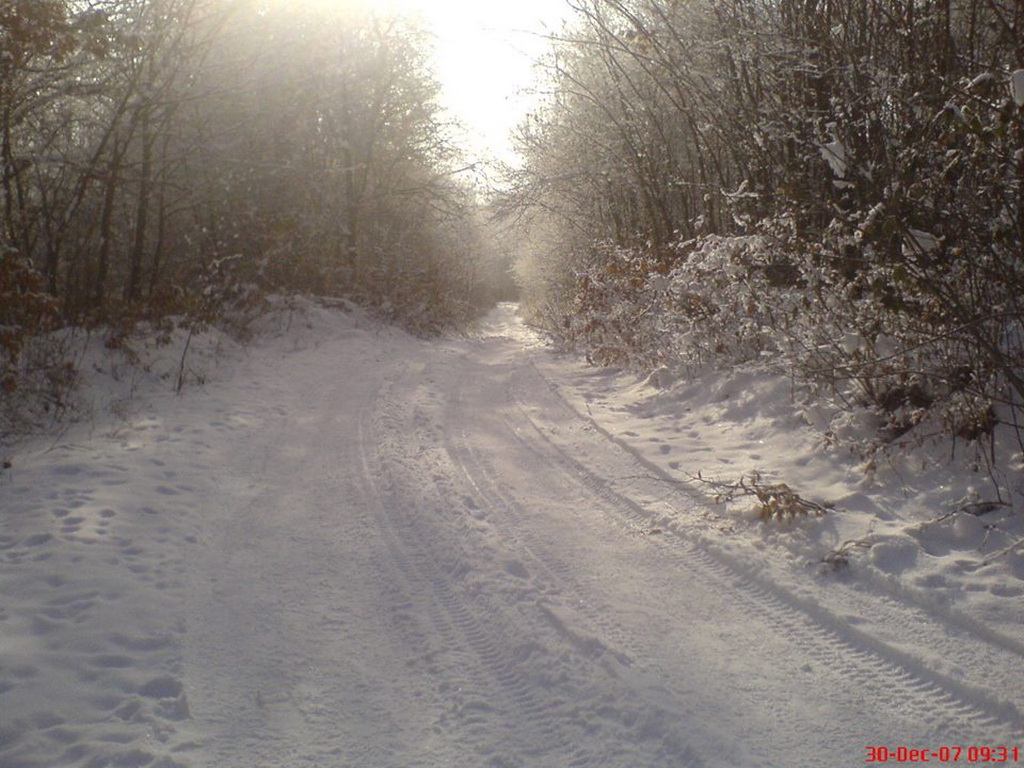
point(344, 546)
point(918, 241)
point(1017, 87)
point(984, 80)
point(834, 153)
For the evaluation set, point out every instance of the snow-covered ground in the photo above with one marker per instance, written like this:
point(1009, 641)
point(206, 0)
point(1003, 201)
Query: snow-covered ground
point(349, 547)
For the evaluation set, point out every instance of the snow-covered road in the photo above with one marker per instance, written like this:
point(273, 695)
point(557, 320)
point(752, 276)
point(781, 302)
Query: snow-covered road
point(378, 552)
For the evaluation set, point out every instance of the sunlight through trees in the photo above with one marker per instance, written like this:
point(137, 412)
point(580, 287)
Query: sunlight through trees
point(157, 153)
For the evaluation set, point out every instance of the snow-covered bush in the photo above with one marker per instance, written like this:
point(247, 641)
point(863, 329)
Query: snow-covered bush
point(840, 201)
point(614, 317)
point(722, 303)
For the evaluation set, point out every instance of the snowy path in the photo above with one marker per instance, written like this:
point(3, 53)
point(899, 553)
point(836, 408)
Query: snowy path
point(436, 572)
point(412, 553)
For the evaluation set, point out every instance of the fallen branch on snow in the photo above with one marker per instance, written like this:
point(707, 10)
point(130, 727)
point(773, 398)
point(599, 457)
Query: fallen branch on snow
point(777, 500)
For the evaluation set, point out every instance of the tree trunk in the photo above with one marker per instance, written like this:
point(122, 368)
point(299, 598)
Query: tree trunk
point(131, 292)
point(106, 227)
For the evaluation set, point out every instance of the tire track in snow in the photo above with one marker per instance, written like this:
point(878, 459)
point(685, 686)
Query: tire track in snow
point(410, 600)
point(1006, 652)
point(640, 706)
point(905, 616)
point(1009, 650)
point(497, 712)
point(484, 479)
point(909, 683)
point(861, 667)
point(663, 689)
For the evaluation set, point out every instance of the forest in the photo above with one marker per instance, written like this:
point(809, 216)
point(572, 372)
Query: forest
point(176, 161)
point(832, 188)
point(835, 189)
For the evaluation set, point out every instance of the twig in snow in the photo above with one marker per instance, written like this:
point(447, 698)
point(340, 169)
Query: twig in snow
point(778, 501)
point(840, 556)
point(184, 355)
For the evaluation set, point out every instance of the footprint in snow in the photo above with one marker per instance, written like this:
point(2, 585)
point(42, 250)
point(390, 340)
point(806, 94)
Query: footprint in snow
point(517, 569)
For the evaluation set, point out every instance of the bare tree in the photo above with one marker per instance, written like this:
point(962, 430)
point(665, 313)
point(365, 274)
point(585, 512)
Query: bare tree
point(860, 159)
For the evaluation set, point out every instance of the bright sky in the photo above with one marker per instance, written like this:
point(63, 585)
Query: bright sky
point(485, 50)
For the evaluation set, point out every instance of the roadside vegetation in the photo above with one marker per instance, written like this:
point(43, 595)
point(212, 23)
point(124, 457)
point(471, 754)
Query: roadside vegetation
point(830, 190)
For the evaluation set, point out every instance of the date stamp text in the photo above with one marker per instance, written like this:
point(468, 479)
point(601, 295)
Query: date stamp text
point(965, 755)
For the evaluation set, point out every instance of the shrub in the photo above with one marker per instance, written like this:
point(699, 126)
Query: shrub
point(35, 374)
